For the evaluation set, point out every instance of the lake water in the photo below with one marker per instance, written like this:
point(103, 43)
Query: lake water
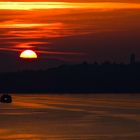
point(71, 117)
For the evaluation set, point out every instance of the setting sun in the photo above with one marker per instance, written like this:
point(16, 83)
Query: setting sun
point(28, 54)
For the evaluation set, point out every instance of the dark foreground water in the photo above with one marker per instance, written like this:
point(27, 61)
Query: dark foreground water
point(71, 117)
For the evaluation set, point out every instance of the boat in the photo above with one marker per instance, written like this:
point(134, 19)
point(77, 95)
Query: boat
point(6, 98)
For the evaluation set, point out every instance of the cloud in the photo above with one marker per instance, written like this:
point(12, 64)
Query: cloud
point(72, 1)
point(99, 31)
point(66, 5)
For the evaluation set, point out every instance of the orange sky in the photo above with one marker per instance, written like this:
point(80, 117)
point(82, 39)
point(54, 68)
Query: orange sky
point(73, 0)
point(72, 27)
point(67, 5)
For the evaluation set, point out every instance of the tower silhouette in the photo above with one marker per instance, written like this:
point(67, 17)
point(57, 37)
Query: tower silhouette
point(132, 59)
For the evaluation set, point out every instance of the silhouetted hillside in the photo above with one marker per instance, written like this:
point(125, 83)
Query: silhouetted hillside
point(10, 62)
point(75, 78)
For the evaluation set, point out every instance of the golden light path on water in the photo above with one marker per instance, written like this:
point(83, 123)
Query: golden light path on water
point(66, 5)
point(71, 117)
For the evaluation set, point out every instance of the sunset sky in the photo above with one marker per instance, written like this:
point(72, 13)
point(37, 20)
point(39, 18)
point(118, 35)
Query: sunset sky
point(92, 30)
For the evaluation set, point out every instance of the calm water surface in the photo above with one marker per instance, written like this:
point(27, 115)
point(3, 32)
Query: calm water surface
point(71, 117)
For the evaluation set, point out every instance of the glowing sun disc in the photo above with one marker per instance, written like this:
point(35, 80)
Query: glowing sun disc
point(28, 54)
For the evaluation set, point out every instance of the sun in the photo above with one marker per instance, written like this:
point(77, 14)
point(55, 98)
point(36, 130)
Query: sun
point(28, 54)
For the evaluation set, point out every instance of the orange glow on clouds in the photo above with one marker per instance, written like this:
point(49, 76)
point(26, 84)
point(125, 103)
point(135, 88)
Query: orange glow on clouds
point(15, 24)
point(66, 5)
point(55, 29)
point(28, 54)
point(21, 25)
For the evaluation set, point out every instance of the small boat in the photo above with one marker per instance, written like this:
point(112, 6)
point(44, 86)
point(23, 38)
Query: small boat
point(5, 98)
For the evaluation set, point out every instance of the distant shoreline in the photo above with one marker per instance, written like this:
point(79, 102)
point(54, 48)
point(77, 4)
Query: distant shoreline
point(81, 78)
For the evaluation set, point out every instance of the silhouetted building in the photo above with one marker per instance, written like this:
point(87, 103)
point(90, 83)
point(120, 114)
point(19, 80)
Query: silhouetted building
point(132, 59)
point(85, 63)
